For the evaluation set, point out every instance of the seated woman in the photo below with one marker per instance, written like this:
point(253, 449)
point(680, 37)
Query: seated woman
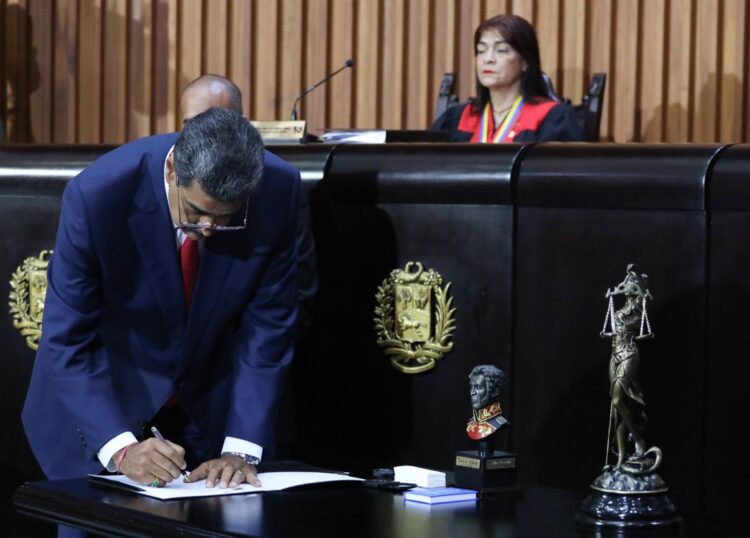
point(512, 103)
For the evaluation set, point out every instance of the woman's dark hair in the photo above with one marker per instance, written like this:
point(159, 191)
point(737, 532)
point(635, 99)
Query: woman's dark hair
point(520, 35)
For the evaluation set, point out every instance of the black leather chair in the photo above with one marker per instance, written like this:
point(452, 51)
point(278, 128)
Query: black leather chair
point(551, 87)
point(589, 111)
point(446, 97)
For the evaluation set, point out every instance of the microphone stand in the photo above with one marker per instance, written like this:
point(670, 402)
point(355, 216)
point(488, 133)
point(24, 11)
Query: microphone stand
point(349, 63)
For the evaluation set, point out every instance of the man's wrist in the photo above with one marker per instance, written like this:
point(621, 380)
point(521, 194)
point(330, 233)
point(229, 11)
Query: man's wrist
point(250, 460)
point(119, 456)
point(106, 453)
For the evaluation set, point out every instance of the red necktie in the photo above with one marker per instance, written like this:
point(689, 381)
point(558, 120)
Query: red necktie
point(189, 265)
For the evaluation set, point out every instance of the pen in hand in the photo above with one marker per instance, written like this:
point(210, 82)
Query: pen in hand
point(160, 437)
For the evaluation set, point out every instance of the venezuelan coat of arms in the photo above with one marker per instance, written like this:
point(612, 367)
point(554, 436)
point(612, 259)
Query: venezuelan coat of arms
point(28, 288)
point(414, 318)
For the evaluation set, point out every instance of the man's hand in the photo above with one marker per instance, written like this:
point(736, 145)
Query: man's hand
point(153, 460)
point(228, 471)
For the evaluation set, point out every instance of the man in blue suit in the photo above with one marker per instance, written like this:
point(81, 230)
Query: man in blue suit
point(125, 336)
point(215, 90)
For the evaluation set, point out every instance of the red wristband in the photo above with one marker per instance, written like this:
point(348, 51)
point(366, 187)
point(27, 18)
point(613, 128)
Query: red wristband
point(120, 456)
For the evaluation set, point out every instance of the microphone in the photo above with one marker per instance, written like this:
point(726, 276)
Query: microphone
point(347, 64)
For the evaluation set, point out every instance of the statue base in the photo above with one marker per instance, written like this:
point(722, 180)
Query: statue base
point(494, 472)
point(623, 500)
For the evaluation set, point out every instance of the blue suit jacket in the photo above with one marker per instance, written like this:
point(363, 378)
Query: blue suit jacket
point(115, 339)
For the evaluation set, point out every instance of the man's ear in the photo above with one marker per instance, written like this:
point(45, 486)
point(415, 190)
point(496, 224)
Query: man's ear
point(171, 174)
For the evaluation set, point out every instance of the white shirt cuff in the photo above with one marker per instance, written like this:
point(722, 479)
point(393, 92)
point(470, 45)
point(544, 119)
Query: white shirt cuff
point(233, 444)
point(112, 447)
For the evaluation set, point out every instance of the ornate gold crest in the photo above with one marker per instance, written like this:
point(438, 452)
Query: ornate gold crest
point(414, 318)
point(28, 287)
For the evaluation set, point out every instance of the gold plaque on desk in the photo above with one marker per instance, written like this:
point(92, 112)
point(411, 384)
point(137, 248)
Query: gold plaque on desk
point(280, 131)
point(28, 288)
point(414, 318)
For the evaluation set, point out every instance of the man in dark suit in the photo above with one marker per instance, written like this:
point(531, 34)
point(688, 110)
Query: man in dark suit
point(214, 90)
point(125, 336)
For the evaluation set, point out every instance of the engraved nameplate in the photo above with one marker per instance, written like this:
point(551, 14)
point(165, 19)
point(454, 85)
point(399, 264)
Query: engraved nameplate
point(501, 463)
point(280, 130)
point(471, 463)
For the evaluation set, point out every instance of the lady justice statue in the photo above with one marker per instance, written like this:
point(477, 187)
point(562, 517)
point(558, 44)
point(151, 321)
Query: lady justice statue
point(629, 493)
point(628, 407)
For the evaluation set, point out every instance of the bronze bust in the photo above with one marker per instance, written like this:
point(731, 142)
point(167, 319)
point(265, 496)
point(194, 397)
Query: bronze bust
point(486, 384)
point(486, 469)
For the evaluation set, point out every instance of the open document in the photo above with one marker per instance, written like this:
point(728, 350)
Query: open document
point(177, 489)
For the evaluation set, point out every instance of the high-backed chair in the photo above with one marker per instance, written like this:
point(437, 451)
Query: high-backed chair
point(550, 87)
point(589, 111)
point(446, 97)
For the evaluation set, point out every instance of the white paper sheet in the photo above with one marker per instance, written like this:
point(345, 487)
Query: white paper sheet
point(376, 136)
point(177, 489)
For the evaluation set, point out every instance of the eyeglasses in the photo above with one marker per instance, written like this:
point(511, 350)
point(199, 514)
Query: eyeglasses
point(187, 226)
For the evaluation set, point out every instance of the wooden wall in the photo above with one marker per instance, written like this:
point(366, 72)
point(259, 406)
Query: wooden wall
point(76, 71)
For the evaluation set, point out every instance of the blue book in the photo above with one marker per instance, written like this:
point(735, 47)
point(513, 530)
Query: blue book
point(440, 495)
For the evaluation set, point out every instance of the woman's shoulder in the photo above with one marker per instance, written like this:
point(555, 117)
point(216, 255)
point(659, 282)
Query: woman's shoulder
point(561, 124)
point(542, 105)
point(547, 120)
point(450, 118)
point(454, 120)
point(468, 117)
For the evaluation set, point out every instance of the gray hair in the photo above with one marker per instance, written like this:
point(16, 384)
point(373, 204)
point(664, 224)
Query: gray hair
point(223, 152)
point(494, 377)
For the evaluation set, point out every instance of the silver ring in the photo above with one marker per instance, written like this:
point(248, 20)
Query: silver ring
point(239, 471)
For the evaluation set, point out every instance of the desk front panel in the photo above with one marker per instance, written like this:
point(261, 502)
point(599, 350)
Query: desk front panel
point(379, 207)
point(727, 367)
point(530, 239)
point(584, 214)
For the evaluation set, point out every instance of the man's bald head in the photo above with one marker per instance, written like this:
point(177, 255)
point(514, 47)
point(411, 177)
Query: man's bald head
point(209, 91)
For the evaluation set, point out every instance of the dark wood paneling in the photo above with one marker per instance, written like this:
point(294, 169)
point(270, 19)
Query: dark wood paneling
point(726, 367)
point(530, 239)
point(579, 226)
point(380, 207)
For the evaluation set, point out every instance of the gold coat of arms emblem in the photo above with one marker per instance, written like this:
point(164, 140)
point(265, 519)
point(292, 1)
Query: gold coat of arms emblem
point(28, 288)
point(414, 318)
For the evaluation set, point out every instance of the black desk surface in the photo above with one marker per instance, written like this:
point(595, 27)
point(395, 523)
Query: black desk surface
point(332, 510)
point(322, 510)
point(342, 509)
point(349, 510)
